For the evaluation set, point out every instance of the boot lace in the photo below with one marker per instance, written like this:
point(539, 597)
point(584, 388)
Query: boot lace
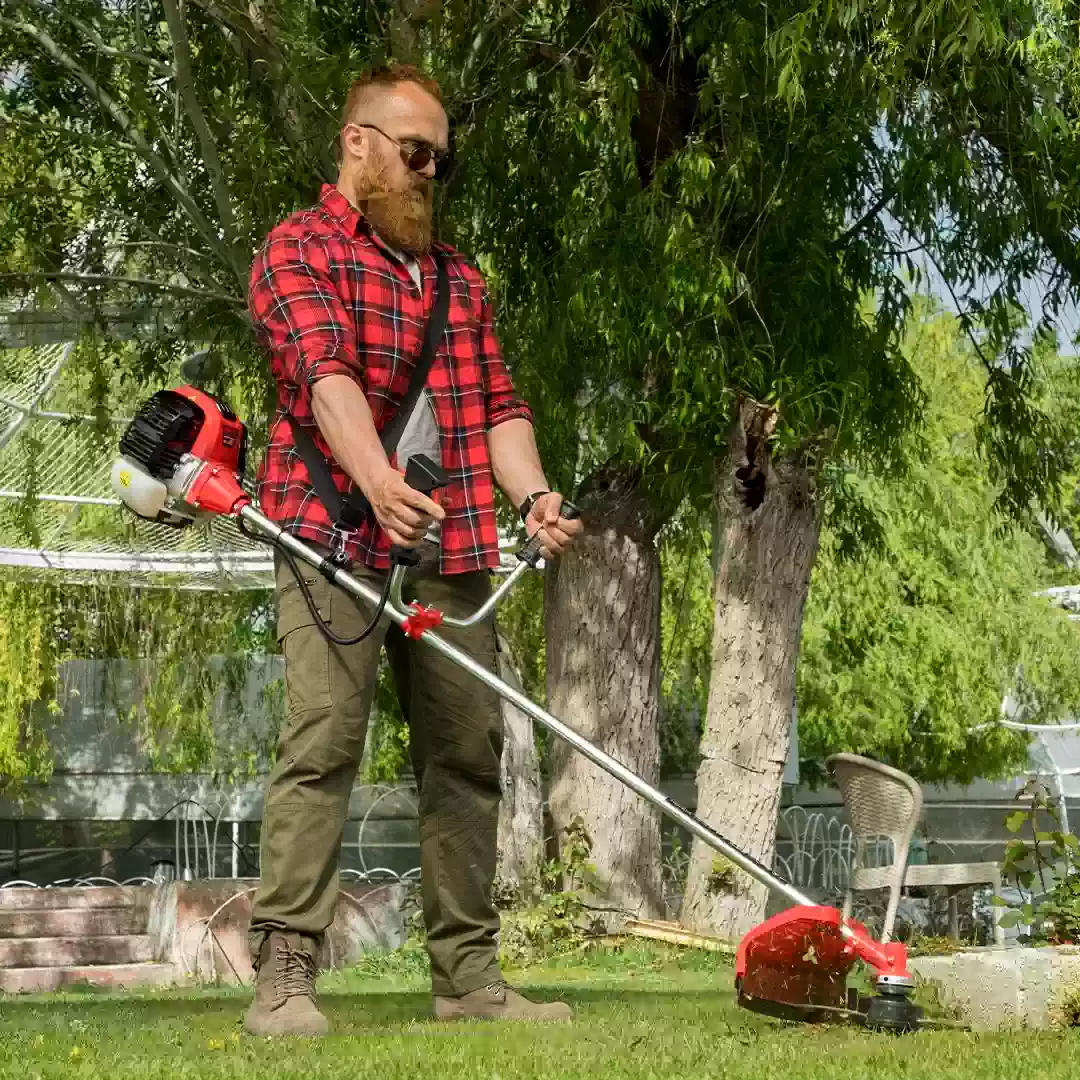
point(294, 974)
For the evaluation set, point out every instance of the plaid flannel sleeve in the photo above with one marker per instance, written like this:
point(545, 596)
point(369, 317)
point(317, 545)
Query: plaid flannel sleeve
point(300, 317)
point(502, 400)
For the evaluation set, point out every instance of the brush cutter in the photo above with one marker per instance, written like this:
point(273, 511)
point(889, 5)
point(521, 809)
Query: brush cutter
point(183, 460)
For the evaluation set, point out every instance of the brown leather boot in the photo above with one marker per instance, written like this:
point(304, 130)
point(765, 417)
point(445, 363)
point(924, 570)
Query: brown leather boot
point(497, 1001)
point(284, 991)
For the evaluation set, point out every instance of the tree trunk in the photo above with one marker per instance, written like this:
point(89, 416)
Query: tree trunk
point(602, 621)
point(767, 528)
point(521, 813)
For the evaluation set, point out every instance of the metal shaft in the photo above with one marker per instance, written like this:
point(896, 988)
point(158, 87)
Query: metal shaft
point(609, 764)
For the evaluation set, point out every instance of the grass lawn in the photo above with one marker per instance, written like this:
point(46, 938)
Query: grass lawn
point(642, 1011)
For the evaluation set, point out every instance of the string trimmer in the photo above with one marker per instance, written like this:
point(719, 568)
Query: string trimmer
point(183, 460)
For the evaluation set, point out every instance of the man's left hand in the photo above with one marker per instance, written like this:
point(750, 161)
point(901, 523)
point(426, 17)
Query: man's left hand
point(557, 533)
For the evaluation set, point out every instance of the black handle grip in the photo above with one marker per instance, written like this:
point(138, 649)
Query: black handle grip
point(425, 476)
point(530, 553)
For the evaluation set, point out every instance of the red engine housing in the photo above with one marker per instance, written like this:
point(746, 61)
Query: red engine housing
point(220, 444)
point(195, 444)
point(221, 438)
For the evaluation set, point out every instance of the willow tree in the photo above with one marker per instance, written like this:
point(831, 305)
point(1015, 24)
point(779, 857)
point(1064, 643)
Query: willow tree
point(704, 233)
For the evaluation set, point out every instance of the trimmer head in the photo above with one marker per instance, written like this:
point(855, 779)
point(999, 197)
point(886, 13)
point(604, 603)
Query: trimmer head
point(795, 966)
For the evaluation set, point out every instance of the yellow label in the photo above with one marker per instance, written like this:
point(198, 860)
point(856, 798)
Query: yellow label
point(125, 478)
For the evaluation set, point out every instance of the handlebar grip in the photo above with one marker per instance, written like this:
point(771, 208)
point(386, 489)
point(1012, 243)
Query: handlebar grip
point(530, 553)
point(425, 476)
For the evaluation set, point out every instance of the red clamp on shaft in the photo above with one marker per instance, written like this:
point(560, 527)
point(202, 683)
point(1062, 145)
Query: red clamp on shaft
point(424, 618)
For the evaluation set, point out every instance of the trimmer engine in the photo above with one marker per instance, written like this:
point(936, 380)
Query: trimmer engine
point(183, 456)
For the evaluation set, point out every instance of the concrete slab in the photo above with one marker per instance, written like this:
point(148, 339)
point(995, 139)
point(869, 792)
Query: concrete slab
point(1011, 987)
point(37, 952)
point(43, 980)
point(72, 922)
point(89, 896)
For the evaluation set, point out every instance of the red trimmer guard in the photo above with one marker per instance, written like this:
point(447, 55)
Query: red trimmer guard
point(801, 959)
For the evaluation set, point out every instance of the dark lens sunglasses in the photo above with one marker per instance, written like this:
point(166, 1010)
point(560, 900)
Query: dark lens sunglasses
point(417, 156)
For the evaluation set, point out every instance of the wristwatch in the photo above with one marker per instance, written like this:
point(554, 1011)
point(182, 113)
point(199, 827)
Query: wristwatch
point(527, 505)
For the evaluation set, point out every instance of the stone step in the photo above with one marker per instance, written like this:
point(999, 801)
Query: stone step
point(71, 922)
point(41, 980)
point(75, 951)
point(93, 896)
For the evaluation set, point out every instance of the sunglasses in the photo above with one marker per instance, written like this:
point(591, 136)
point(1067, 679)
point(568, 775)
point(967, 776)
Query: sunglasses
point(417, 155)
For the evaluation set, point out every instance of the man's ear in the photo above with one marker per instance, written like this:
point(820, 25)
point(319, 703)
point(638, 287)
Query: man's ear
point(354, 142)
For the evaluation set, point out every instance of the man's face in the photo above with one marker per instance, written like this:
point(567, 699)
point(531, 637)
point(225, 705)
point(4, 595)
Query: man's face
point(385, 131)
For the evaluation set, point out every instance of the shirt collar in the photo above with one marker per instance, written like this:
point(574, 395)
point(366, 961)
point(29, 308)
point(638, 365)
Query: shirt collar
point(338, 207)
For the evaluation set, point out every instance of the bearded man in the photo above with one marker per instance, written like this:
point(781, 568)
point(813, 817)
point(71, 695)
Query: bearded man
point(340, 295)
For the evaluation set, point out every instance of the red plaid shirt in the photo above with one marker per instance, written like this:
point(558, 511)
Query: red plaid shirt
point(328, 297)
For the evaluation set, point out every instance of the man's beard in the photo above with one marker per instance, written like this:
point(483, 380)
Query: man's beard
point(402, 218)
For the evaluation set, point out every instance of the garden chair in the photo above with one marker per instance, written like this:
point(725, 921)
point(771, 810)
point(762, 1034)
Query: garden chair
point(885, 803)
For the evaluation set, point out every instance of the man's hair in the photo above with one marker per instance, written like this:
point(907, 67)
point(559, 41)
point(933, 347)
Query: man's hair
point(387, 75)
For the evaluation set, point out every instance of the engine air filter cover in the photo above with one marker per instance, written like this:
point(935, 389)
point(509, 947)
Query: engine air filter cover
point(162, 432)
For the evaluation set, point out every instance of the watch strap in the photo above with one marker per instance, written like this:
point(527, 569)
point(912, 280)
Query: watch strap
point(527, 505)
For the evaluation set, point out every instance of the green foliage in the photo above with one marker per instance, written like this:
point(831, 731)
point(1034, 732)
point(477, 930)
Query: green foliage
point(1047, 860)
point(28, 648)
point(723, 878)
point(521, 622)
point(674, 210)
point(410, 962)
point(181, 661)
point(388, 741)
point(920, 616)
point(557, 919)
point(686, 621)
point(908, 651)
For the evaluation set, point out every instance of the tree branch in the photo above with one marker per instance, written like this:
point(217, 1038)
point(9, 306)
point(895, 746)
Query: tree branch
point(118, 279)
point(208, 146)
point(127, 126)
point(879, 204)
point(961, 312)
point(266, 56)
point(95, 39)
point(166, 246)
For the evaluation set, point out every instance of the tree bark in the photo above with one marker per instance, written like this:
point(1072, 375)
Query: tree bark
point(521, 813)
point(602, 621)
point(767, 529)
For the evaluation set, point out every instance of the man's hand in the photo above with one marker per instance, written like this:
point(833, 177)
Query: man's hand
point(557, 532)
point(403, 512)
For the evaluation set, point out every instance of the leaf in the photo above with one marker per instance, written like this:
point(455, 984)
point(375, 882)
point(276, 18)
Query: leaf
point(1016, 820)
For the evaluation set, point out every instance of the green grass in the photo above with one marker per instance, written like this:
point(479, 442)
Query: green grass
point(642, 1011)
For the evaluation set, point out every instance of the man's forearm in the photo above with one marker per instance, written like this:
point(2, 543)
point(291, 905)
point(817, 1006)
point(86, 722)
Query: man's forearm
point(515, 460)
point(344, 417)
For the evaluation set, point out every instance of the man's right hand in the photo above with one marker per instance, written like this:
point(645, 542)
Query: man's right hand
point(403, 512)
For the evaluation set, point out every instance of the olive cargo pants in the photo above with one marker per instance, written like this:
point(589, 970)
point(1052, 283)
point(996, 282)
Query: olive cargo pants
point(455, 740)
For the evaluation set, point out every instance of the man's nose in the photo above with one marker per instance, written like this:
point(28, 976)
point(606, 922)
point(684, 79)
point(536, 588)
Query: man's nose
point(428, 171)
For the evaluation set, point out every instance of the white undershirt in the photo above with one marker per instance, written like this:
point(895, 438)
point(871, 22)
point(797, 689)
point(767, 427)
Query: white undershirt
point(421, 433)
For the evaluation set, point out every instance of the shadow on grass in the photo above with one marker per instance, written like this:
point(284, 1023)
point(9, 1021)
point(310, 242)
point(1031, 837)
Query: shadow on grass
point(362, 1010)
